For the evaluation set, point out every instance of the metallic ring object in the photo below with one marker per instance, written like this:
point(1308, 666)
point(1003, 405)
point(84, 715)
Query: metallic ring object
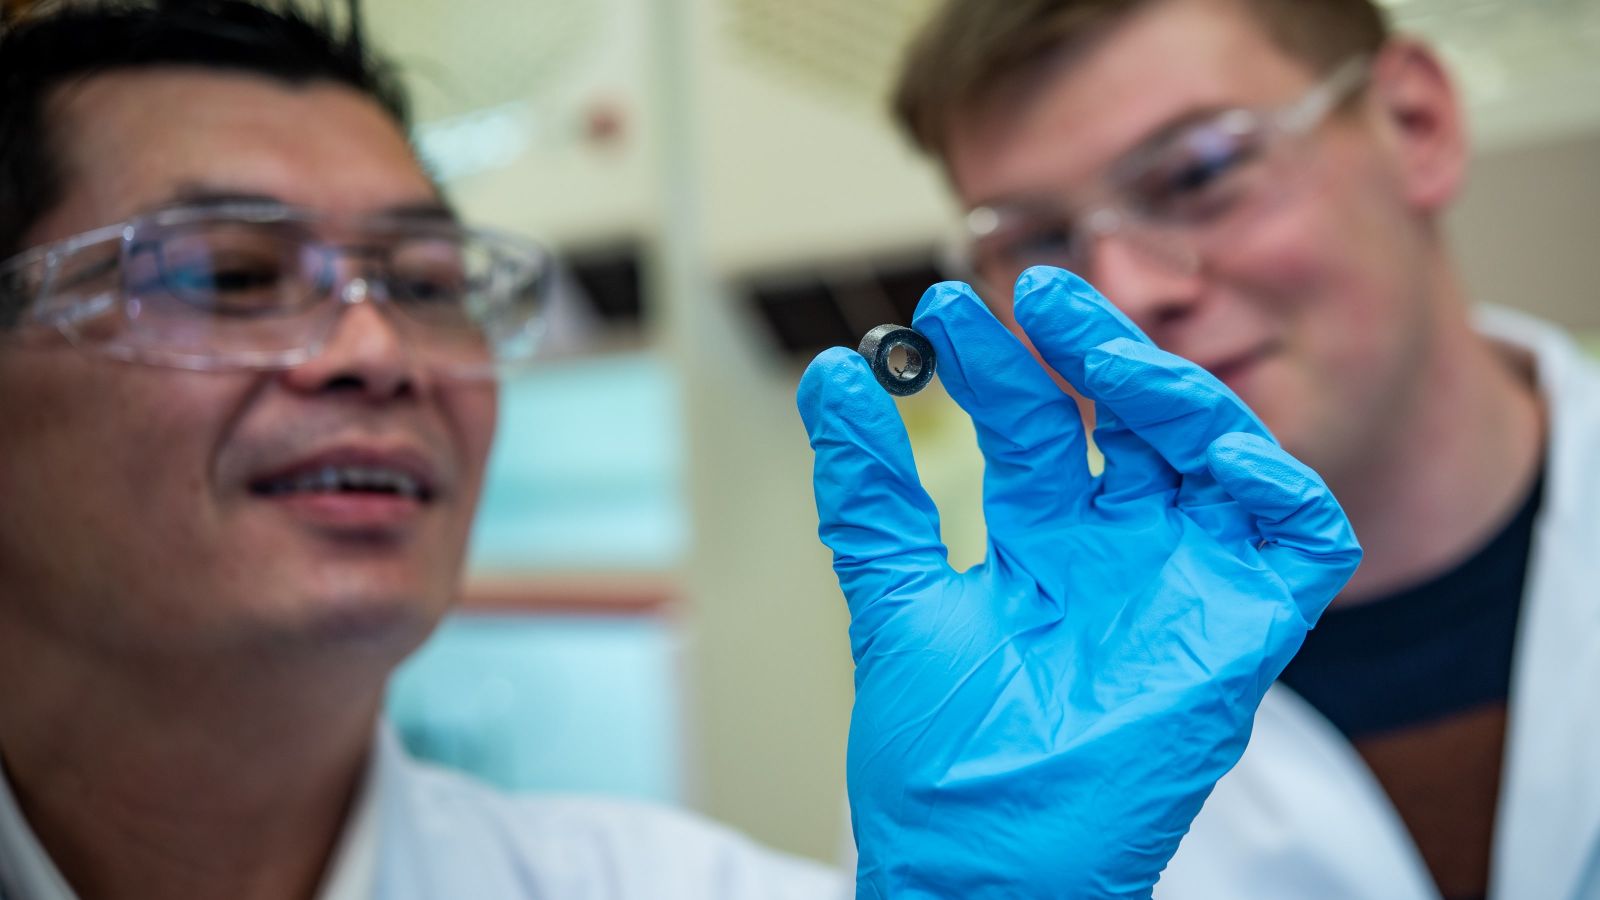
point(901, 359)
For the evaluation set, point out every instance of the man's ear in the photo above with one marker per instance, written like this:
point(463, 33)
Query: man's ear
point(1423, 117)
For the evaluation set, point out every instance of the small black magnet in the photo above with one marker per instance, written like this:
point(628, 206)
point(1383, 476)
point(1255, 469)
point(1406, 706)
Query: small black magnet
point(901, 358)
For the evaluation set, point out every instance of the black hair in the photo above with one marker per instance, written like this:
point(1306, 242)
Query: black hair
point(42, 51)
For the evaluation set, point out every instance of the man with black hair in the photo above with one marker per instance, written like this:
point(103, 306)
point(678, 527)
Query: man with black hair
point(247, 387)
point(211, 559)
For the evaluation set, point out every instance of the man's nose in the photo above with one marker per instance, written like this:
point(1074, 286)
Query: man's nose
point(365, 352)
point(1155, 286)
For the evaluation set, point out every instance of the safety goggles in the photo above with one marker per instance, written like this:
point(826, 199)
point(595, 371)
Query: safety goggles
point(262, 286)
point(1173, 197)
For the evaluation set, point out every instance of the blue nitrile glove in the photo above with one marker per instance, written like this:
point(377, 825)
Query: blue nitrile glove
point(1048, 723)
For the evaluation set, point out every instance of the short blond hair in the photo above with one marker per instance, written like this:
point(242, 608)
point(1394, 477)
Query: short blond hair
point(970, 51)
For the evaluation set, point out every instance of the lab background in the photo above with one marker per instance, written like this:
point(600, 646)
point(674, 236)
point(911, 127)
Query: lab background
point(648, 611)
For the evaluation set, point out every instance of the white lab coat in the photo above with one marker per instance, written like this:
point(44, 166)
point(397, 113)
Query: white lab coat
point(1301, 816)
point(442, 836)
point(420, 832)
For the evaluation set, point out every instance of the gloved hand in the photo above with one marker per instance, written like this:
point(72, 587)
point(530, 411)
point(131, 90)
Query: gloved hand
point(1048, 723)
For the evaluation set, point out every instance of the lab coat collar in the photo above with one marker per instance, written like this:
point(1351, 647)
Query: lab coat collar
point(353, 872)
point(1547, 841)
point(26, 871)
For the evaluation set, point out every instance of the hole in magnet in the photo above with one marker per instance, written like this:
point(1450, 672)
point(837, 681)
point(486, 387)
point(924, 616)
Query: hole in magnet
point(905, 363)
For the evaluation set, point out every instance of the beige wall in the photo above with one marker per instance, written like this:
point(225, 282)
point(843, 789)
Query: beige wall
point(767, 165)
point(770, 690)
point(1527, 233)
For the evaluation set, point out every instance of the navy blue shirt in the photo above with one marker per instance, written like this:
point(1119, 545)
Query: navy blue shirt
point(1431, 651)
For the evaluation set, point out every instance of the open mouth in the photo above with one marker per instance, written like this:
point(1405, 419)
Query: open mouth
point(356, 480)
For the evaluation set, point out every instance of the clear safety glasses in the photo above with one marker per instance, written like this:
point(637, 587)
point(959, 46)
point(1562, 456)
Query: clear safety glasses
point(1169, 199)
point(262, 286)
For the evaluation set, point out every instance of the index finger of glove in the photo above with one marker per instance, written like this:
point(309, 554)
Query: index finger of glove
point(1029, 430)
point(873, 514)
point(1175, 406)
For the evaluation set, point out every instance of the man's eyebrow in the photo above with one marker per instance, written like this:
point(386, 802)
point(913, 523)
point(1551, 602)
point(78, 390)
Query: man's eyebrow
point(1152, 139)
point(1172, 128)
point(425, 210)
point(430, 210)
point(206, 196)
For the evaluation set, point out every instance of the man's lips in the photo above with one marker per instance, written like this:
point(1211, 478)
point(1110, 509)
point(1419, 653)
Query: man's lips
point(360, 487)
point(1232, 368)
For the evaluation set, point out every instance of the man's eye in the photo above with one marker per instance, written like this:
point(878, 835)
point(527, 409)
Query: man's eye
point(247, 285)
point(235, 289)
point(443, 290)
point(433, 289)
point(1199, 174)
point(1041, 243)
point(431, 273)
point(230, 280)
point(1201, 178)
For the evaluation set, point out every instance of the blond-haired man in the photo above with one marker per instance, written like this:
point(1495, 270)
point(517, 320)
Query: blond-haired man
point(1259, 185)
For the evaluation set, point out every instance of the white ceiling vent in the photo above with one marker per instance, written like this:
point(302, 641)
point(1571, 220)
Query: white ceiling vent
point(846, 50)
